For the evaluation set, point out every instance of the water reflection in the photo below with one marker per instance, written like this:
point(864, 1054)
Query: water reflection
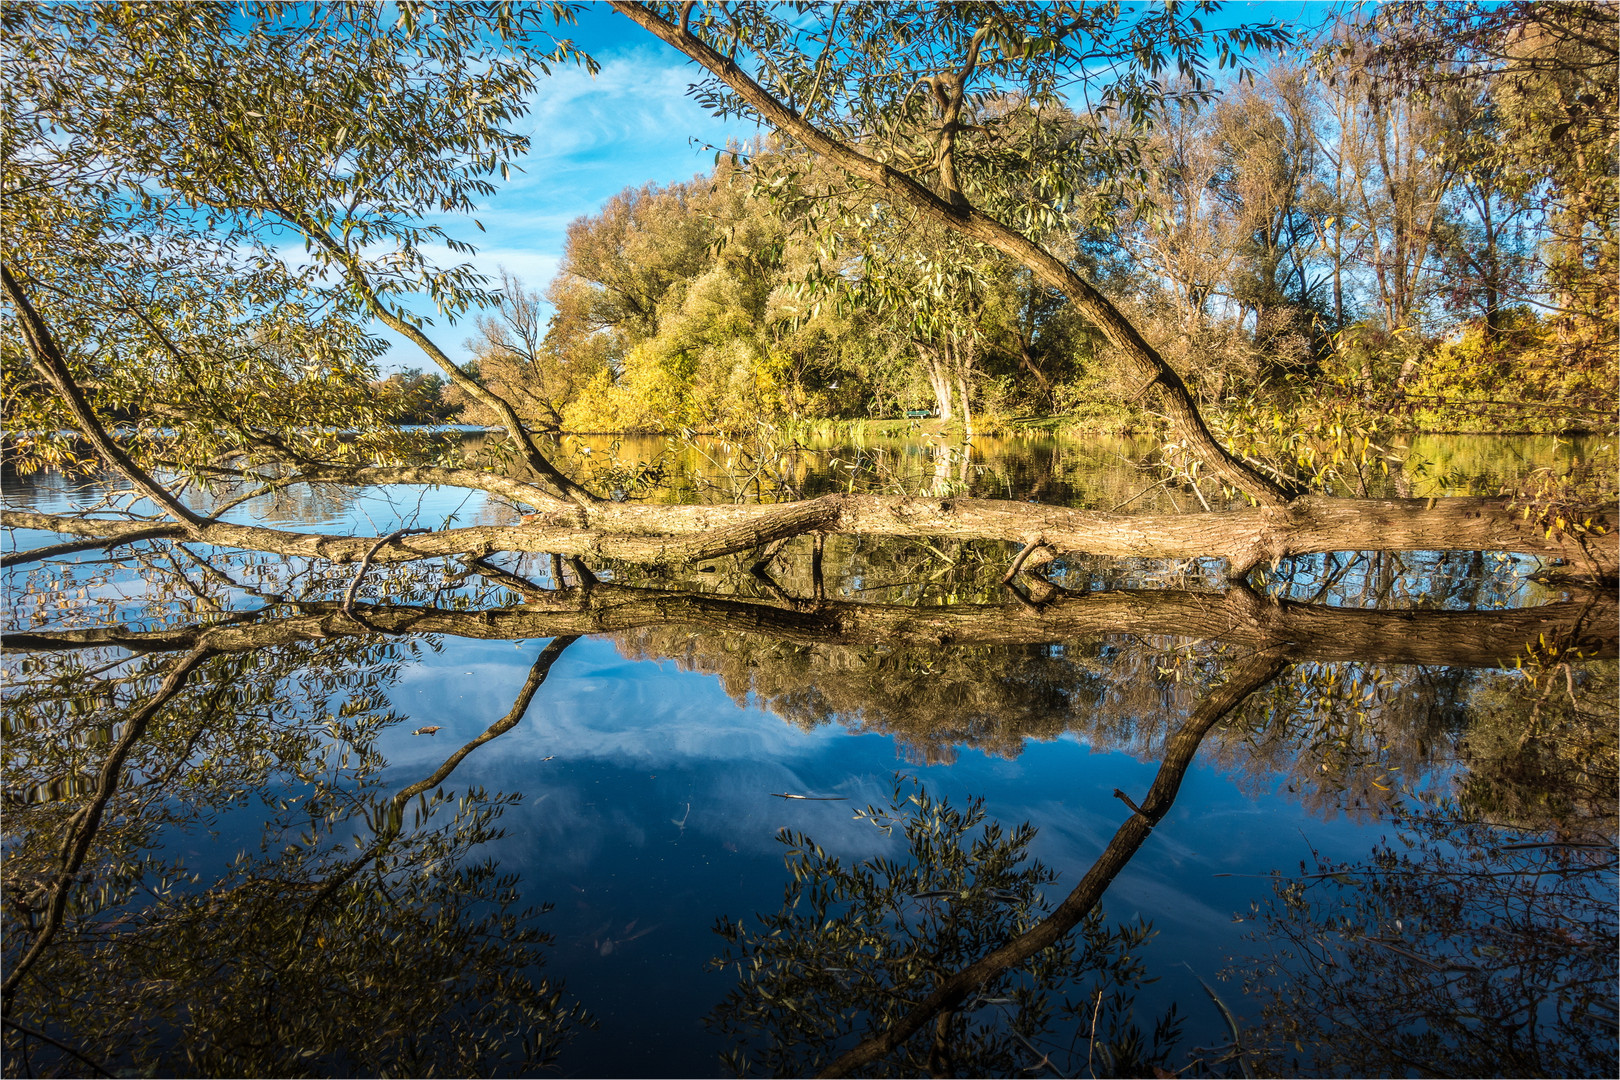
point(353, 932)
point(1459, 948)
point(855, 947)
point(226, 854)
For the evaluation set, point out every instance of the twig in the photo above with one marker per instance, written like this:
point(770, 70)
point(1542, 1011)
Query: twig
point(1231, 1021)
point(1091, 1044)
point(64, 1047)
point(1126, 799)
point(365, 564)
point(1139, 494)
point(1023, 554)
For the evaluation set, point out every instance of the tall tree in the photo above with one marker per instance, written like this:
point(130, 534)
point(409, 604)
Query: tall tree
point(519, 360)
point(1267, 141)
point(839, 81)
point(1400, 173)
point(1544, 77)
point(1190, 237)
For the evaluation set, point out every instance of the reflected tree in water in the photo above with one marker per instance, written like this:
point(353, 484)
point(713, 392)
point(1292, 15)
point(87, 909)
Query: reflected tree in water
point(856, 947)
point(1542, 750)
point(1459, 949)
point(364, 935)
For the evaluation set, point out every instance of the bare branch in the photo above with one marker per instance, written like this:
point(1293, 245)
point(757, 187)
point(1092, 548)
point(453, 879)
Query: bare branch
point(365, 564)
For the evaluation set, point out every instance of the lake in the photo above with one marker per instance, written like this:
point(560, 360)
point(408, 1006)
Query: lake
point(680, 824)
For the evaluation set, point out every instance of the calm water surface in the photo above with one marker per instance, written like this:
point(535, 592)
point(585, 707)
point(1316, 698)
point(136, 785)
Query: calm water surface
point(257, 898)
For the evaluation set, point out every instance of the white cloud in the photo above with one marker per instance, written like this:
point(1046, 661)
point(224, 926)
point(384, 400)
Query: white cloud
point(591, 138)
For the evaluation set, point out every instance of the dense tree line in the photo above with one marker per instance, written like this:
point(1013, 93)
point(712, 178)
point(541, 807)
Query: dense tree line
point(886, 247)
point(1417, 212)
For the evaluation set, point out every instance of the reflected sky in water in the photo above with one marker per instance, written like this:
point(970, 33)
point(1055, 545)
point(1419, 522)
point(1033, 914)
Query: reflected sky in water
point(648, 789)
point(655, 815)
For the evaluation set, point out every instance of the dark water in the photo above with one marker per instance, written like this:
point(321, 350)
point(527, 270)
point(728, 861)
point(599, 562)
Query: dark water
point(259, 897)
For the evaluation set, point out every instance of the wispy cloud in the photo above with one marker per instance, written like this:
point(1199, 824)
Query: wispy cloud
point(591, 138)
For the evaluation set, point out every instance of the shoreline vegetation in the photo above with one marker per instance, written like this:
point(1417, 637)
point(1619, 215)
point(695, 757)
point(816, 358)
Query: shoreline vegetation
point(1101, 421)
point(1065, 426)
point(1271, 257)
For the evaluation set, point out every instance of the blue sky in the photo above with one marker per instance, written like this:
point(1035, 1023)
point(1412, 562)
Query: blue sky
point(629, 124)
point(591, 138)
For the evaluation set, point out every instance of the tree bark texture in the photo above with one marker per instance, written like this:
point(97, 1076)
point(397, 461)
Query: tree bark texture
point(677, 535)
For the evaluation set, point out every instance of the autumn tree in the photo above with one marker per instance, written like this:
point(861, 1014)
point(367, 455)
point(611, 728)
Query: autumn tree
point(517, 358)
point(166, 156)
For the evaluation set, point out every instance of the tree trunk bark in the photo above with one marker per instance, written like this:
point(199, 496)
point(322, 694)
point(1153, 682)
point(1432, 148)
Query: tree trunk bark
point(938, 377)
point(967, 408)
point(1297, 632)
point(676, 535)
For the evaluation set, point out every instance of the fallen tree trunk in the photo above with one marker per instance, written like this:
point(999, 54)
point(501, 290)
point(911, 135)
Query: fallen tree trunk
point(1240, 616)
point(680, 535)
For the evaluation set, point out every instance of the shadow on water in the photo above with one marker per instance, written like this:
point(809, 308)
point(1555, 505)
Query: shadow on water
point(249, 832)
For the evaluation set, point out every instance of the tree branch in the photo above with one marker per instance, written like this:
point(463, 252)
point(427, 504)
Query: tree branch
point(17, 558)
point(83, 826)
point(950, 92)
point(62, 1046)
point(52, 367)
point(365, 564)
point(675, 535)
point(1250, 676)
point(515, 430)
point(967, 220)
point(386, 833)
point(1240, 617)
